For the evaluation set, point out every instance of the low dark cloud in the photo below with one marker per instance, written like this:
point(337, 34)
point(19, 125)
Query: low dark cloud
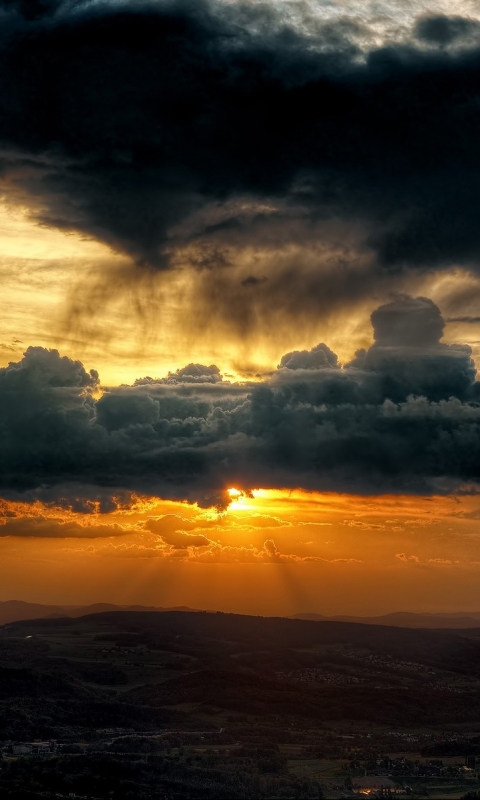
point(44, 528)
point(469, 320)
point(252, 280)
point(156, 127)
point(404, 416)
point(175, 532)
point(116, 411)
point(194, 373)
point(320, 356)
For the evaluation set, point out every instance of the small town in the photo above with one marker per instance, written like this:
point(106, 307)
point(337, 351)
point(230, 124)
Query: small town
point(356, 764)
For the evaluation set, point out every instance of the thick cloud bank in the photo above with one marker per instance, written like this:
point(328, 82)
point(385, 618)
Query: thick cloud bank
point(404, 416)
point(153, 126)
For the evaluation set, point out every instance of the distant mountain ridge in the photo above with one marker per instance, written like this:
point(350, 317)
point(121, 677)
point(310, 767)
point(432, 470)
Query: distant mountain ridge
point(405, 619)
point(17, 610)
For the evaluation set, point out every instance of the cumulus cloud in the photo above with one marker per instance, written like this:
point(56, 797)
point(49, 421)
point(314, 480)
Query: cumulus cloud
point(268, 554)
point(317, 358)
point(215, 554)
point(194, 373)
point(403, 417)
point(42, 368)
point(115, 411)
point(408, 357)
point(403, 557)
point(409, 322)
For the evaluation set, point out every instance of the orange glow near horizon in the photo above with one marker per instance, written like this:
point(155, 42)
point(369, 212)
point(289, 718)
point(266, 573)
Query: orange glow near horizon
point(268, 550)
point(271, 551)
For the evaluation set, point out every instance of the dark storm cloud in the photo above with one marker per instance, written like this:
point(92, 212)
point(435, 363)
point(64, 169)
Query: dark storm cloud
point(126, 121)
point(403, 417)
point(444, 31)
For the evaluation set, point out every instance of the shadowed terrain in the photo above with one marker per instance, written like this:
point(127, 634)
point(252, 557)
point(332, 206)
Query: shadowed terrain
point(165, 688)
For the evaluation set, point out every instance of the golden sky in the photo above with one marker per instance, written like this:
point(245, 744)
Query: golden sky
point(65, 291)
point(305, 244)
point(276, 552)
point(273, 553)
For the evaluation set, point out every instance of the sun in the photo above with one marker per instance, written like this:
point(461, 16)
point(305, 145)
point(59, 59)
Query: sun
point(239, 500)
point(234, 493)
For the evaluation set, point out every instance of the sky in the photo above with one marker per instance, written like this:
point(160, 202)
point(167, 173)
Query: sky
point(240, 306)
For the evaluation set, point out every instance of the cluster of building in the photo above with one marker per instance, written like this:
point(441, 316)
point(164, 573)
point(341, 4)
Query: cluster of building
point(318, 675)
point(29, 748)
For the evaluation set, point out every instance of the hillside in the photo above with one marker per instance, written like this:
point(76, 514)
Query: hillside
point(325, 670)
point(196, 704)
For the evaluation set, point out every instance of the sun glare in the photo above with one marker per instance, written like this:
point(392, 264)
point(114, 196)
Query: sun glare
point(238, 500)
